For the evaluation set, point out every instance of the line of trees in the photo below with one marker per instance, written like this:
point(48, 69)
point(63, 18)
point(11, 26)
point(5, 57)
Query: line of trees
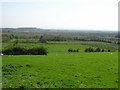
point(59, 36)
point(24, 51)
point(90, 49)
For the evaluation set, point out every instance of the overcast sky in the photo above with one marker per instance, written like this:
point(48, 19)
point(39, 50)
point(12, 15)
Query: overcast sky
point(61, 14)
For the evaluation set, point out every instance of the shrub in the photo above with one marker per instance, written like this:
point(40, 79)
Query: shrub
point(28, 65)
point(73, 50)
point(37, 51)
point(89, 49)
point(69, 50)
point(97, 50)
point(23, 51)
point(108, 50)
point(102, 50)
point(14, 51)
point(77, 50)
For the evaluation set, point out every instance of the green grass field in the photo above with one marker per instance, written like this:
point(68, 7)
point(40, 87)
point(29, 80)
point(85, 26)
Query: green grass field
point(61, 69)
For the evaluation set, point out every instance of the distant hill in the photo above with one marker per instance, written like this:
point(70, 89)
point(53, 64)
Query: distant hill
point(22, 29)
point(33, 29)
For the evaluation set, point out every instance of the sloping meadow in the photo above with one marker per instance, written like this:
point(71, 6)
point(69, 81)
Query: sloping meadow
point(61, 69)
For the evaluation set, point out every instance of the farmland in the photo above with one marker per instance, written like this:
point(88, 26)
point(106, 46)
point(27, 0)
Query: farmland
point(71, 70)
point(60, 68)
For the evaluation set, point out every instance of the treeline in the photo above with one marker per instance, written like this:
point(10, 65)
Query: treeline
point(90, 49)
point(24, 51)
point(43, 38)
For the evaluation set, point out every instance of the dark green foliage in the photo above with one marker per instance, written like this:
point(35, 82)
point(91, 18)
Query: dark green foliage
point(12, 36)
point(14, 51)
point(37, 51)
point(77, 50)
point(97, 50)
point(108, 50)
point(15, 42)
point(89, 49)
point(69, 50)
point(102, 50)
point(9, 69)
point(28, 65)
point(23, 51)
point(73, 50)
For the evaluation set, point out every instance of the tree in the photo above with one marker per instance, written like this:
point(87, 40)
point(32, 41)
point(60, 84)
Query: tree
point(42, 39)
point(69, 50)
point(97, 50)
point(102, 50)
point(24, 51)
point(89, 49)
point(77, 50)
point(108, 50)
point(15, 42)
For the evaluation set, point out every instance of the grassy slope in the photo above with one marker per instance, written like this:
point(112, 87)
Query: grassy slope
point(57, 47)
point(62, 69)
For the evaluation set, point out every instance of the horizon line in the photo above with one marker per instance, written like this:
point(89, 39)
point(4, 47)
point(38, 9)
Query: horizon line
point(60, 29)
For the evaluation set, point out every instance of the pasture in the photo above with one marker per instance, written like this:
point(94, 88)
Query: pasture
point(62, 69)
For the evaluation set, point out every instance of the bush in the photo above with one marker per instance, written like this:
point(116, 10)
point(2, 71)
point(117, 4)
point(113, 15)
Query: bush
point(23, 51)
point(102, 50)
point(73, 50)
point(37, 51)
point(108, 50)
point(89, 49)
point(97, 50)
point(14, 51)
point(69, 50)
